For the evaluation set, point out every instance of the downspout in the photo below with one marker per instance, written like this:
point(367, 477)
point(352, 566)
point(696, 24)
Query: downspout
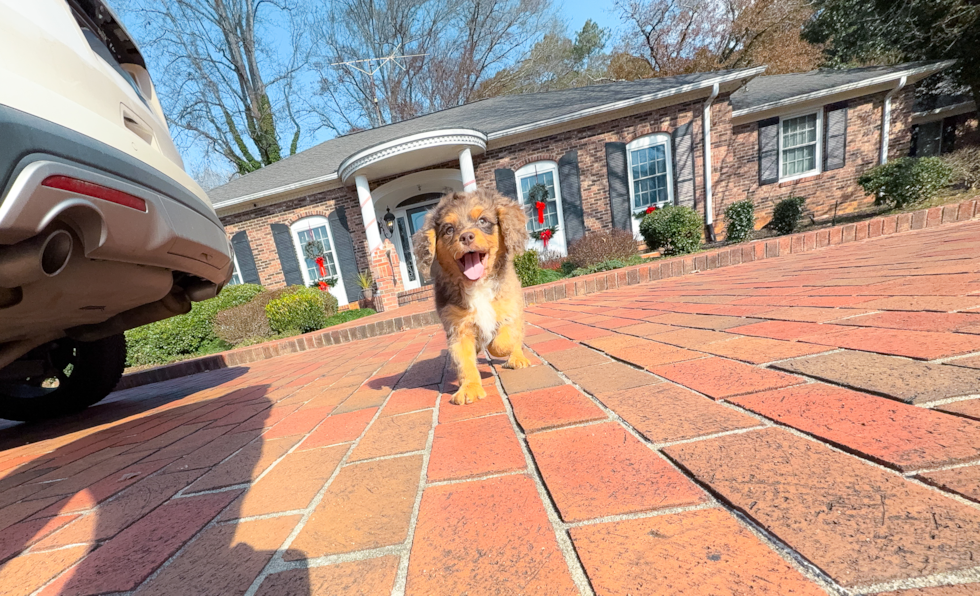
point(709, 218)
point(886, 119)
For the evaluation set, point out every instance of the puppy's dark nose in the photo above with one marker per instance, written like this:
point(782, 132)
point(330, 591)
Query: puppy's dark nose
point(467, 238)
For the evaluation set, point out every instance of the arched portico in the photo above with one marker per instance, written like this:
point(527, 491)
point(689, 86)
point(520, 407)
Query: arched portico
point(408, 199)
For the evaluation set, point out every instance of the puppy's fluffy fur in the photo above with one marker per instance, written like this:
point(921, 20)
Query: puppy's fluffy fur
point(485, 312)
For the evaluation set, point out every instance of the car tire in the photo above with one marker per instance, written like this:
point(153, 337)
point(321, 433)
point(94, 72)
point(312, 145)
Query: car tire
point(96, 369)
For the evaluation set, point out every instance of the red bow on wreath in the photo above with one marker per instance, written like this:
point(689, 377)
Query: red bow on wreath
point(540, 205)
point(321, 265)
point(651, 208)
point(545, 237)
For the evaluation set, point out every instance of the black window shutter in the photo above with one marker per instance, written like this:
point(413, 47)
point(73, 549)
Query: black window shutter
point(346, 261)
point(619, 194)
point(506, 182)
point(835, 144)
point(948, 141)
point(684, 165)
point(768, 151)
point(246, 260)
point(287, 254)
point(571, 197)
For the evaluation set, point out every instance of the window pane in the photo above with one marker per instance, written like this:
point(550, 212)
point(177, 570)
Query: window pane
point(799, 131)
point(928, 139)
point(799, 153)
point(318, 233)
point(649, 169)
point(551, 204)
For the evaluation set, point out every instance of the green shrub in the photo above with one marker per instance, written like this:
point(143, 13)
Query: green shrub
point(305, 309)
point(607, 266)
point(907, 180)
point(596, 247)
point(741, 221)
point(673, 230)
point(965, 164)
point(548, 275)
point(248, 320)
point(527, 267)
point(185, 335)
point(786, 215)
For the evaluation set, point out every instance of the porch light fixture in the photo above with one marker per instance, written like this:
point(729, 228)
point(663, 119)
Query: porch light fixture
point(389, 220)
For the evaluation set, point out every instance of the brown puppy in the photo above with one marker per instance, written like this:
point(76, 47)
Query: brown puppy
point(469, 242)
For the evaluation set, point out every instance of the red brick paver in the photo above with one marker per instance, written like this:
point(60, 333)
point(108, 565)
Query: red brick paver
point(685, 554)
point(800, 426)
point(456, 554)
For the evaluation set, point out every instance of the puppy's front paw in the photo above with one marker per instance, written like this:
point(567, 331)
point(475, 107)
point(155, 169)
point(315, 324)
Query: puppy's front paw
point(468, 393)
point(517, 361)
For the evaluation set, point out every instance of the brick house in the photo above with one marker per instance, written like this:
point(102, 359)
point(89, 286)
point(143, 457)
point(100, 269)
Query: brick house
point(603, 153)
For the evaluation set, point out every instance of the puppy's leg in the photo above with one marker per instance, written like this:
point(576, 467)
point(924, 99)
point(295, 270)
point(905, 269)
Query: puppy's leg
point(463, 352)
point(509, 344)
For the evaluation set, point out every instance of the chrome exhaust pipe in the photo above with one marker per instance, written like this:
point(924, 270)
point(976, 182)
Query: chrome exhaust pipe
point(35, 258)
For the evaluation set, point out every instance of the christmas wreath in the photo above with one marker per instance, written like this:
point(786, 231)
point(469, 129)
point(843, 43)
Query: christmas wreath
point(544, 235)
point(644, 212)
point(537, 195)
point(315, 251)
point(324, 284)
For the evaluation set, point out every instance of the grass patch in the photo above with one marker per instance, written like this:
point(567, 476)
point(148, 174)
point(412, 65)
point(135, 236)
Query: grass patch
point(346, 316)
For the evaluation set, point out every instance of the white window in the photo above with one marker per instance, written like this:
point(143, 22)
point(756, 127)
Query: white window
point(546, 174)
point(236, 272)
point(650, 171)
point(316, 229)
point(799, 145)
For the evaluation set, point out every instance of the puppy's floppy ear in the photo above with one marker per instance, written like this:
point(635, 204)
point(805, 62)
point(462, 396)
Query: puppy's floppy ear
point(513, 224)
point(424, 243)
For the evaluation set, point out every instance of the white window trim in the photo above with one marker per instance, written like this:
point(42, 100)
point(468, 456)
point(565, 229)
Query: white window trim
point(658, 138)
point(819, 157)
point(541, 167)
point(304, 225)
point(236, 269)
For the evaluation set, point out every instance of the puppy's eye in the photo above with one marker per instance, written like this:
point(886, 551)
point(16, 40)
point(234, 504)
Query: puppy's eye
point(448, 230)
point(484, 222)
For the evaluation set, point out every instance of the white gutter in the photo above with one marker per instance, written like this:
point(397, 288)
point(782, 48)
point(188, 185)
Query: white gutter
point(713, 82)
point(709, 218)
point(275, 191)
point(944, 112)
point(912, 72)
point(886, 118)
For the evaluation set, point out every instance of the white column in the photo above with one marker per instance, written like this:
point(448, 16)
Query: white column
point(466, 169)
point(367, 213)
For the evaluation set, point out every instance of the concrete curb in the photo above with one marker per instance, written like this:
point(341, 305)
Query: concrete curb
point(581, 286)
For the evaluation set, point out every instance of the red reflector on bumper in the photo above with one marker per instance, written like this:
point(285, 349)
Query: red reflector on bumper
point(97, 191)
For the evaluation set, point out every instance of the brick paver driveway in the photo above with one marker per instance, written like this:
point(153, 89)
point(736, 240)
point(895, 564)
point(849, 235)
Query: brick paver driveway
point(804, 425)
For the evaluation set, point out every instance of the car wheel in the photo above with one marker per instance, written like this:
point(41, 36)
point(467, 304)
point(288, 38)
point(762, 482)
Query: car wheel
point(61, 377)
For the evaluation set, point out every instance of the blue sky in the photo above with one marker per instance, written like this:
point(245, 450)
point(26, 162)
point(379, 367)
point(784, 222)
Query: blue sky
point(573, 12)
point(578, 11)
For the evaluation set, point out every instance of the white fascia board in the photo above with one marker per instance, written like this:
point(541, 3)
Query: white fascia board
point(262, 194)
point(913, 74)
point(939, 113)
point(706, 85)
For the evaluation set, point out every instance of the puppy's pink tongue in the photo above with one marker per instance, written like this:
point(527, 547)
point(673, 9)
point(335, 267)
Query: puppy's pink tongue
point(472, 266)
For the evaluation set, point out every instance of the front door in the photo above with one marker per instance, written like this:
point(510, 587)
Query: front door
point(409, 218)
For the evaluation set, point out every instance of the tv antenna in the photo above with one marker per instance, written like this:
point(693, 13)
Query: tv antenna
point(364, 65)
